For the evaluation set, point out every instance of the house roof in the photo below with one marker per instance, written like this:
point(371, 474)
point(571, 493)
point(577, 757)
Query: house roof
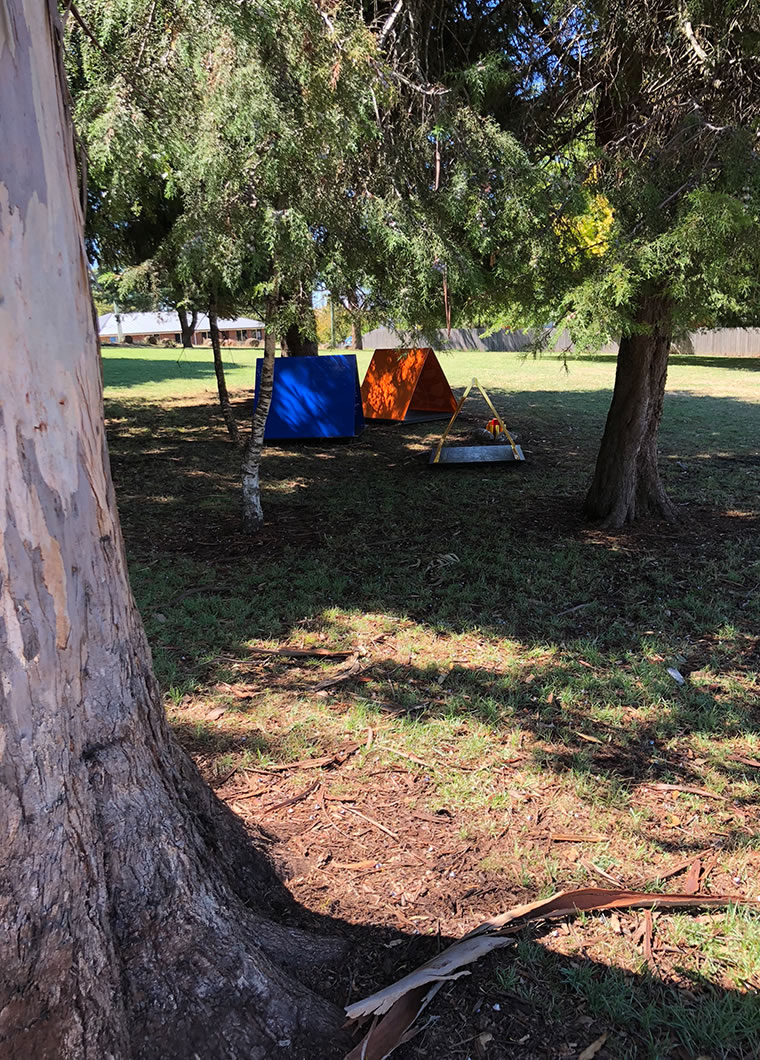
point(165, 323)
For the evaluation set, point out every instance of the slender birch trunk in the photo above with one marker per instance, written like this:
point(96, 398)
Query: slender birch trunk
point(253, 513)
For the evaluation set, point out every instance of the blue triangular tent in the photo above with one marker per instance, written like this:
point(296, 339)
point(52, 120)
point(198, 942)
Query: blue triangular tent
point(313, 397)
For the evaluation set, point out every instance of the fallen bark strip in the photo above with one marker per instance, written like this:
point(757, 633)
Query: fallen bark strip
point(577, 837)
point(335, 758)
point(675, 869)
point(691, 881)
point(753, 763)
point(351, 668)
point(396, 1002)
point(593, 867)
point(303, 653)
point(688, 788)
point(384, 1036)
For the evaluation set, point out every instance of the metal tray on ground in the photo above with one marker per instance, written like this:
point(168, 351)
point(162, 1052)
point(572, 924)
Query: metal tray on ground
point(476, 454)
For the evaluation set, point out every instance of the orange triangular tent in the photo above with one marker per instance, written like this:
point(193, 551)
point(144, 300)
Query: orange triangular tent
point(399, 382)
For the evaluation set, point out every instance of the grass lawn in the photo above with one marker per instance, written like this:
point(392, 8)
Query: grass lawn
point(505, 712)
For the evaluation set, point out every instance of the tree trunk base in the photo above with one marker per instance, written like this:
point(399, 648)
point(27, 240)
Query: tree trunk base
point(644, 502)
point(214, 978)
point(627, 486)
point(253, 513)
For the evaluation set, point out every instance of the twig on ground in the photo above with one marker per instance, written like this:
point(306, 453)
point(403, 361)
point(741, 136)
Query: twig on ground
point(572, 610)
point(688, 788)
point(371, 820)
point(588, 739)
point(601, 872)
point(403, 754)
point(336, 758)
point(306, 653)
point(357, 866)
point(572, 837)
point(294, 799)
point(647, 940)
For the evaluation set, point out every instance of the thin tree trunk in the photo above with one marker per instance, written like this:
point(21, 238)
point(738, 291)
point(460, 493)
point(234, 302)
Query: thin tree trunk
point(187, 327)
point(129, 899)
point(626, 484)
point(221, 382)
point(356, 332)
point(253, 513)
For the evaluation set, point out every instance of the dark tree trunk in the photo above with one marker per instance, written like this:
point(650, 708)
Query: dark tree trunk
point(221, 382)
point(187, 326)
point(253, 513)
point(356, 332)
point(295, 344)
point(131, 907)
point(626, 483)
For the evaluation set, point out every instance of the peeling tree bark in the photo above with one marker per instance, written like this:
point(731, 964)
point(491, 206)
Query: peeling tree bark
point(253, 513)
point(626, 484)
point(130, 923)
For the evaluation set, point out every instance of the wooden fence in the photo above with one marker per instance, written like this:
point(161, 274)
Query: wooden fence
point(720, 342)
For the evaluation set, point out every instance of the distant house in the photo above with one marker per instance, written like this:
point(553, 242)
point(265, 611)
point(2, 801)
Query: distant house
point(160, 327)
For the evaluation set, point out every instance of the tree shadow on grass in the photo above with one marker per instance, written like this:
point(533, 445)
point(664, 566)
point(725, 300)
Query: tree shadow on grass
point(744, 364)
point(546, 995)
point(531, 1001)
point(590, 619)
point(549, 995)
point(368, 527)
point(127, 372)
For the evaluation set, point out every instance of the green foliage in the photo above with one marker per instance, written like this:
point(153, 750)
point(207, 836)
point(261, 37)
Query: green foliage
point(574, 161)
point(656, 113)
point(127, 291)
point(342, 324)
point(237, 149)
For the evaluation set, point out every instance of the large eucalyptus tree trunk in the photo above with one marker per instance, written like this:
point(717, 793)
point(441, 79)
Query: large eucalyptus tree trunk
point(130, 923)
point(626, 483)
